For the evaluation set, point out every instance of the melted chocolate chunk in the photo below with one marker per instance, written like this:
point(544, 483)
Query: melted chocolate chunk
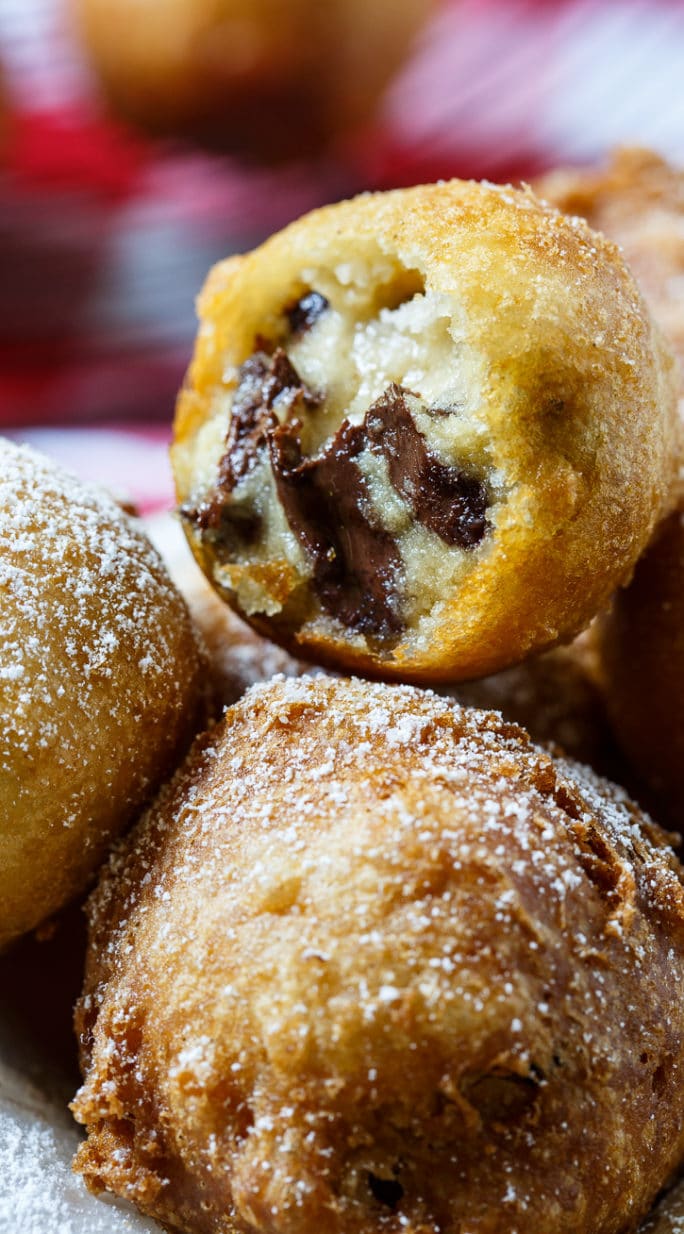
point(357, 566)
point(304, 313)
point(356, 562)
point(262, 380)
point(444, 499)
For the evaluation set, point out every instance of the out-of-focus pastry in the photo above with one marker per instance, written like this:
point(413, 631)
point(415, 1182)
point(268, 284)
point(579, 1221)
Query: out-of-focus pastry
point(375, 962)
point(668, 1217)
point(268, 78)
point(638, 201)
point(642, 662)
point(425, 433)
point(100, 682)
point(557, 698)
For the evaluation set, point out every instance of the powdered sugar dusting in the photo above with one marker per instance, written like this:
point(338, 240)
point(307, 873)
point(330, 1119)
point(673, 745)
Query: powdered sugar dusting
point(97, 661)
point(39, 1193)
point(363, 909)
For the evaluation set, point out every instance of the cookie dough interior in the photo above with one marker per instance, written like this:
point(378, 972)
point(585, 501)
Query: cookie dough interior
point(355, 453)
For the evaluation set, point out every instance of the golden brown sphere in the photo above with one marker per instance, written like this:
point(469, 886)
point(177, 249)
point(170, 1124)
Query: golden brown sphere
point(99, 682)
point(376, 962)
point(273, 78)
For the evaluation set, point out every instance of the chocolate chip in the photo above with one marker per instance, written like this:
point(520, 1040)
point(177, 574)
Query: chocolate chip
point(356, 563)
point(445, 499)
point(304, 313)
point(262, 380)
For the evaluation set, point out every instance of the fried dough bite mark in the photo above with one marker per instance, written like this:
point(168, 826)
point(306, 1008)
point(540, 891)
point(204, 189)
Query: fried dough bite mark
point(356, 563)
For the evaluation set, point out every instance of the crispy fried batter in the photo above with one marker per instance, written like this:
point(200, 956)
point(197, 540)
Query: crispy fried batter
point(639, 202)
point(100, 683)
point(374, 962)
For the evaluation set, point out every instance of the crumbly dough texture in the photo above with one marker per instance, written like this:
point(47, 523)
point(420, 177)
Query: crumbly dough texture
point(642, 663)
point(375, 962)
point(100, 682)
point(235, 657)
point(425, 432)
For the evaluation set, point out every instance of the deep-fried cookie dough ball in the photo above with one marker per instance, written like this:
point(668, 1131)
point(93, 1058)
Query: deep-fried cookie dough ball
point(270, 78)
point(425, 433)
point(642, 654)
point(99, 682)
point(375, 962)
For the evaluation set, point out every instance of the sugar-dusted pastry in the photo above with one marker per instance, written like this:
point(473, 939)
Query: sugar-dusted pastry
point(638, 201)
point(642, 660)
point(269, 78)
point(100, 682)
point(426, 432)
point(374, 962)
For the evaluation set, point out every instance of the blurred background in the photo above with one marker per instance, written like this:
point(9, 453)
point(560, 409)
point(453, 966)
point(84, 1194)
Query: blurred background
point(142, 140)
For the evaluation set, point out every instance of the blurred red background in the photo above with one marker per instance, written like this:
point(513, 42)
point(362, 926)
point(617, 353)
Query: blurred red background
point(106, 234)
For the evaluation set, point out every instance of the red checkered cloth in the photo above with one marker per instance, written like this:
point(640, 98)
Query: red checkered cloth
point(106, 238)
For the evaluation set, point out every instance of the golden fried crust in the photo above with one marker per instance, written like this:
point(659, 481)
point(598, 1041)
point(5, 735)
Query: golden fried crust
point(638, 201)
point(534, 370)
point(100, 683)
point(642, 655)
point(375, 962)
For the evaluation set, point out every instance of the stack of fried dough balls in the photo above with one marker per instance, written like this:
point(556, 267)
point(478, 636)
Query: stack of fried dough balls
point(100, 683)
point(373, 961)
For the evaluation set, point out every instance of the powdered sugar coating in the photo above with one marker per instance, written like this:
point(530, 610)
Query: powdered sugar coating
point(99, 681)
point(375, 962)
point(39, 1193)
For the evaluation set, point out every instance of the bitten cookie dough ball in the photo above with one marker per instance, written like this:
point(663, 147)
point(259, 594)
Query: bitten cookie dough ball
point(642, 654)
point(99, 682)
point(268, 78)
point(425, 433)
point(375, 962)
